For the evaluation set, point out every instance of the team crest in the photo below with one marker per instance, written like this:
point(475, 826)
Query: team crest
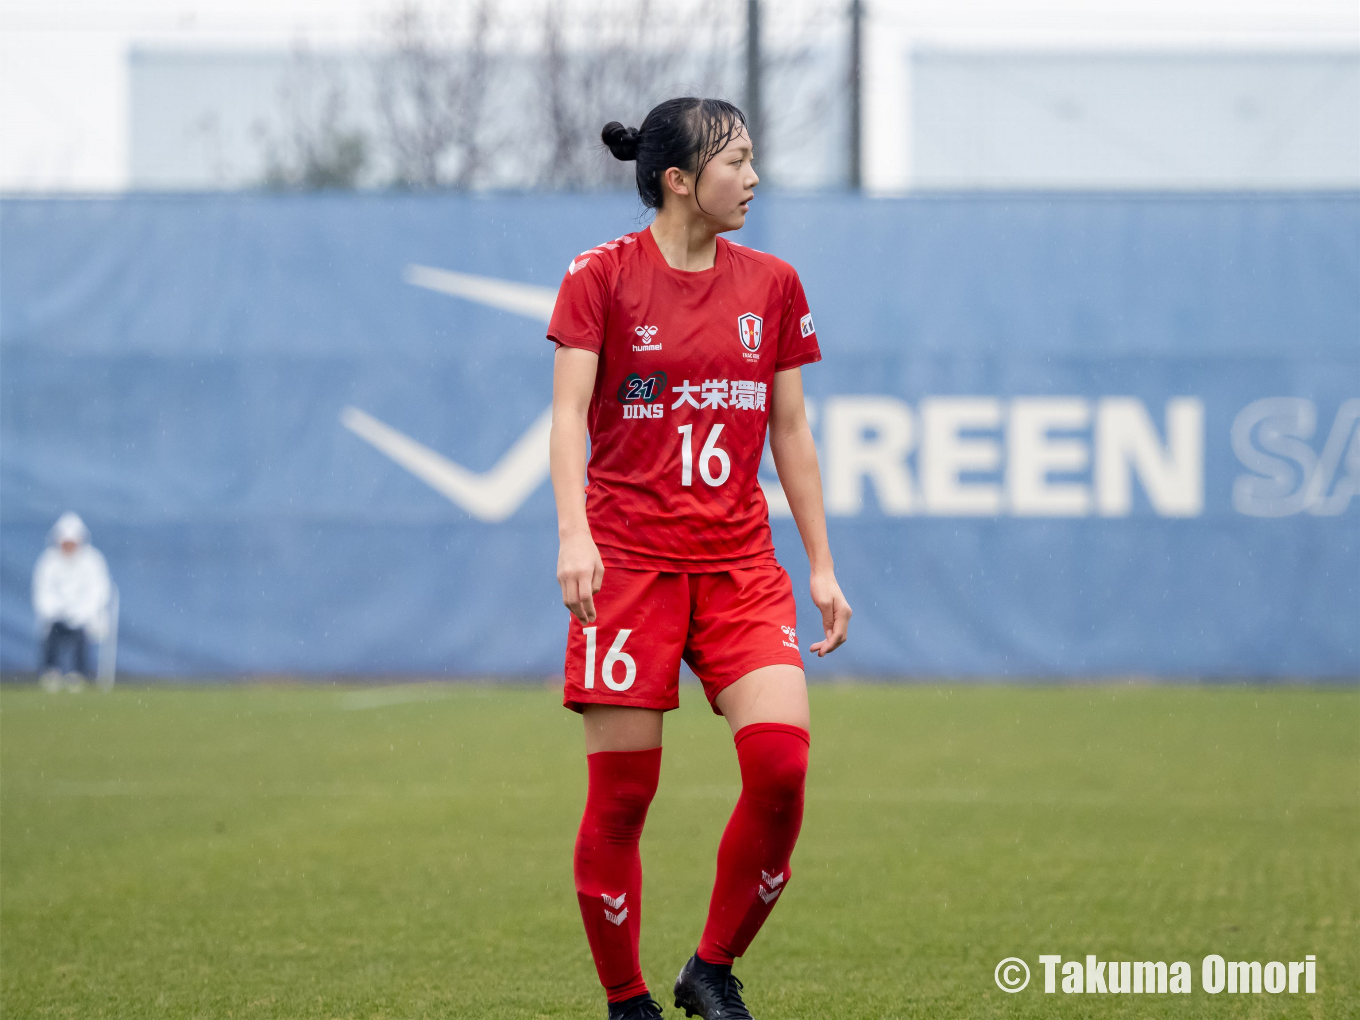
point(748, 329)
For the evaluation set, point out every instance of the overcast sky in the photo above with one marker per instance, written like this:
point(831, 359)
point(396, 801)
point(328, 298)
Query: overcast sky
point(63, 82)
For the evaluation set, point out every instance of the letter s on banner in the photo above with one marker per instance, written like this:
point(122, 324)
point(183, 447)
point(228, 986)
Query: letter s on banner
point(1269, 437)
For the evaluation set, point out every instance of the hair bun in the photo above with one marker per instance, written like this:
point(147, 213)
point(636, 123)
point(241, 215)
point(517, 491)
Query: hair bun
point(622, 141)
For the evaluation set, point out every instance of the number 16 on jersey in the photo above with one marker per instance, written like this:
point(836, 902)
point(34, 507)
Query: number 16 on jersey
point(707, 455)
point(615, 655)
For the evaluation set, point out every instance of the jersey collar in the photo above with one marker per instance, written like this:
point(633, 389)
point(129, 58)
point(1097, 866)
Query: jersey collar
point(699, 276)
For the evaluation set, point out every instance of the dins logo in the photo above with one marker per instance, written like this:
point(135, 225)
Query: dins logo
point(639, 395)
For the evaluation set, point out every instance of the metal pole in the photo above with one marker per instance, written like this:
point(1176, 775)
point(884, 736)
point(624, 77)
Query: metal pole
point(856, 95)
point(753, 118)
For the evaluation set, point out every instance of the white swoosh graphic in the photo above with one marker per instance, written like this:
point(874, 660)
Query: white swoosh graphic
point(521, 298)
point(498, 493)
point(490, 496)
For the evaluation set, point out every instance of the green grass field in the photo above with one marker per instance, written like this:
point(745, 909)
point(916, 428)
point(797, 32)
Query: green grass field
point(406, 852)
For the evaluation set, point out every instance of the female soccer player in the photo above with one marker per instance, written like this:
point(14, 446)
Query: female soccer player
point(676, 351)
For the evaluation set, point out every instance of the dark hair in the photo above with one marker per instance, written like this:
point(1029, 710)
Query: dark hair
point(685, 133)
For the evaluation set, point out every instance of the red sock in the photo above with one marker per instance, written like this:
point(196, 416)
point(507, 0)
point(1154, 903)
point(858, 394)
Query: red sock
point(753, 857)
point(608, 867)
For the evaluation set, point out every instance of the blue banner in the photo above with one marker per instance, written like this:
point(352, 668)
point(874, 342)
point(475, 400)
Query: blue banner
point(1059, 435)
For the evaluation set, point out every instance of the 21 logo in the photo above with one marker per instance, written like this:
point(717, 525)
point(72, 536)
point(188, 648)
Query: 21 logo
point(637, 390)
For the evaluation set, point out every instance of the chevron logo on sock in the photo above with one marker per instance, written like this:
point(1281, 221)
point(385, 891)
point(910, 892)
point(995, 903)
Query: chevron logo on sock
point(618, 918)
point(775, 882)
point(612, 901)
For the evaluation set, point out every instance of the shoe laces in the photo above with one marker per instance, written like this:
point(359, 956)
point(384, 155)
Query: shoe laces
point(729, 993)
point(640, 1010)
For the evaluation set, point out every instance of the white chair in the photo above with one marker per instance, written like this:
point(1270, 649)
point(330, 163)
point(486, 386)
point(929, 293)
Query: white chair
point(108, 648)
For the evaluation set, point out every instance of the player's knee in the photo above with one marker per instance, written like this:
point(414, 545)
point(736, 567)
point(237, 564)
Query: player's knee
point(622, 784)
point(621, 811)
point(784, 780)
point(774, 768)
point(629, 806)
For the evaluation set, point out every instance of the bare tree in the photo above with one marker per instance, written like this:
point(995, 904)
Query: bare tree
point(431, 90)
point(612, 62)
point(319, 146)
point(804, 67)
point(451, 99)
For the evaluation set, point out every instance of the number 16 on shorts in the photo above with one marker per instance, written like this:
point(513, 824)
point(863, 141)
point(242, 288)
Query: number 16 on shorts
point(612, 658)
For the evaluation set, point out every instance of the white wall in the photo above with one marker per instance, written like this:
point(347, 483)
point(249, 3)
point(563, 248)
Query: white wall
point(1130, 120)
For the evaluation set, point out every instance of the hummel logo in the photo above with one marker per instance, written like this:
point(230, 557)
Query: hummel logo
point(774, 882)
point(615, 902)
point(646, 334)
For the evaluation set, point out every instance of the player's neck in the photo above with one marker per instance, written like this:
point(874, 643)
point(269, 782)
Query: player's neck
point(686, 243)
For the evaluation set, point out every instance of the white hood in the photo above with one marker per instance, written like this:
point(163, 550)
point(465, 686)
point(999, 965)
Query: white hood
point(74, 587)
point(69, 528)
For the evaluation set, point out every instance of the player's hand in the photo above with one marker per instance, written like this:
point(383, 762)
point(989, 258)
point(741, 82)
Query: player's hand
point(580, 572)
point(836, 613)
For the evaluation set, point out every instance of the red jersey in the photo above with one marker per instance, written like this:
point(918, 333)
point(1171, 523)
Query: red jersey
point(682, 398)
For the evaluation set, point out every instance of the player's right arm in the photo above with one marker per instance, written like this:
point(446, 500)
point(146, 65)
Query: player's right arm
point(580, 571)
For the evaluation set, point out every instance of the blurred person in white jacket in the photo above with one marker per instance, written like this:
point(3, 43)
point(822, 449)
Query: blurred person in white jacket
point(71, 602)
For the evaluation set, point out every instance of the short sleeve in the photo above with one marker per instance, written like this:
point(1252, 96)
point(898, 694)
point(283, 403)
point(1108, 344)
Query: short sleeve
point(578, 317)
point(797, 334)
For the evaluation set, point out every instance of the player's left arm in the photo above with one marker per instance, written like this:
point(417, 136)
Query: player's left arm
point(795, 458)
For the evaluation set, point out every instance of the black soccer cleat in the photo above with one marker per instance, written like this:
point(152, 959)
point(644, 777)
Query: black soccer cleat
point(639, 1007)
point(709, 990)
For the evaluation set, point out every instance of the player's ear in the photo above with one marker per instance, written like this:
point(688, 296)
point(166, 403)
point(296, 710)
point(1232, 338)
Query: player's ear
point(676, 180)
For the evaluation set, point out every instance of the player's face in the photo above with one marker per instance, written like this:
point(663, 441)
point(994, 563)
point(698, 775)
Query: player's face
point(728, 183)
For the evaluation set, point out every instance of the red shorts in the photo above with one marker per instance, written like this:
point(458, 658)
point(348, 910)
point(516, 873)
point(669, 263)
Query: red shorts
point(723, 624)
